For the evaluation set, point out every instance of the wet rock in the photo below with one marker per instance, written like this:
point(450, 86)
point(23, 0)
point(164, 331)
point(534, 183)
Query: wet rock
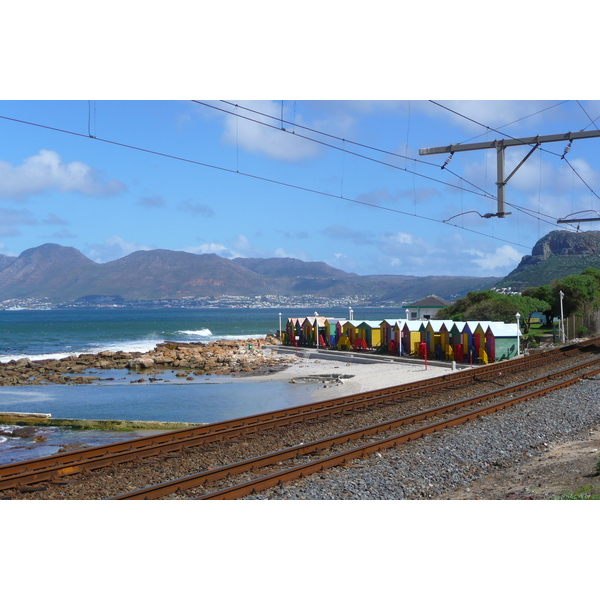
point(23, 432)
point(143, 362)
point(243, 357)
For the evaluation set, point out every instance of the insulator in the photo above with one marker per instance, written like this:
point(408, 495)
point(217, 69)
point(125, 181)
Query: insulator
point(566, 149)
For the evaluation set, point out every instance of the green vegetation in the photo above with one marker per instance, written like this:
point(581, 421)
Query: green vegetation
point(588, 492)
point(104, 424)
point(494, 306)
point(581, 297)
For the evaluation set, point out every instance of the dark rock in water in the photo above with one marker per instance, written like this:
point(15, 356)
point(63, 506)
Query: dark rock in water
point(23, 432)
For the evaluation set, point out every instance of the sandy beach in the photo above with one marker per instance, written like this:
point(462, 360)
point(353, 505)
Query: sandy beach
point(340, 378)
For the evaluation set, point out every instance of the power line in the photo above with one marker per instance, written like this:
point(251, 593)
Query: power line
point(592, 121)
point(250, 175)
point(281, 120)
point(517, 120)
point(518, 139)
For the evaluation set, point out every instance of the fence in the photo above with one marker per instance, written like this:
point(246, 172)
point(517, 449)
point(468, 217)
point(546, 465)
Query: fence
point(578, 326)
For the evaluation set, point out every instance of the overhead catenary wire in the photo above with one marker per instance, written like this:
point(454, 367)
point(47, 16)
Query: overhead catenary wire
point(483, 192)
point(517, 120)
point(592, 121)
point(249, 175)
point(511, 137)
point(562, 157)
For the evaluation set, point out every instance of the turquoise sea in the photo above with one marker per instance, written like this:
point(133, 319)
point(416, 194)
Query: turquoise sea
point(40, 334)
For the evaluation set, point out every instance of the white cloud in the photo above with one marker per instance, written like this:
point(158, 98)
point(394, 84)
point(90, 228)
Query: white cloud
point(267, 138)
point(404, 253)
point(46, 172)
point(543, 180)
point(491, 113)
point(210, 248)
point(281, 253)
point(505, 257)
point(113, 248)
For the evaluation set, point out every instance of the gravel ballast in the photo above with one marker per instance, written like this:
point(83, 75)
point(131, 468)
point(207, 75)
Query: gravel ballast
point(455, 457)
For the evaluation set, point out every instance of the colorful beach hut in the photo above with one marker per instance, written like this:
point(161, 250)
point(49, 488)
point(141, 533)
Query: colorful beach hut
point(391, 334)
point(307, 331)
point(350, 330)
point(333, 329)
point(293, 330)
point(370, 331)
point(433, 337)
point(319, 331)
point(386, 328)
point(455, 341)
point(412, 336)
point(502, 341)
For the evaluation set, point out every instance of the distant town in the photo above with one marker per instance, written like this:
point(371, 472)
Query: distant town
point(225, 301)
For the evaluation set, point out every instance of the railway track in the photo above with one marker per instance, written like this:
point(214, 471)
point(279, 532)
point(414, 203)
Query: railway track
point(359, 449)
point(57, 468)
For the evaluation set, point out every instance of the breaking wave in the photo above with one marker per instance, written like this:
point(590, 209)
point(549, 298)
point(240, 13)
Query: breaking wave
point(196, 332)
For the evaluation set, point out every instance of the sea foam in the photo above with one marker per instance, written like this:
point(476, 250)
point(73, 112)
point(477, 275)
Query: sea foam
point(195, 332)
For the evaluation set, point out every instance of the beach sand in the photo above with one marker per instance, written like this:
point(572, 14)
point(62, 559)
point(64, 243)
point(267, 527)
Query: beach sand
point(354, 378)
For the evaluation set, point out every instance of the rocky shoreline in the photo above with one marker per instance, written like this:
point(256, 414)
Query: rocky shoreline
point(222, 357)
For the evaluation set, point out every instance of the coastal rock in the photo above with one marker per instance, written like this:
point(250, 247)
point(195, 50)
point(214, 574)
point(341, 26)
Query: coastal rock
point(143, 362)
point(225, 357)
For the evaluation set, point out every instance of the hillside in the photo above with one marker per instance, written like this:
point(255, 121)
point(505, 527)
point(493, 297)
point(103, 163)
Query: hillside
point(283, 267)
point(63, 274)
point(554, 256)
point(50, 270)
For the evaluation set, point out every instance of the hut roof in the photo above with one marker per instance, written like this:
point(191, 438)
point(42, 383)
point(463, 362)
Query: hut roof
point(413, 325)
point(503, 329)
point(437, 323)
point(371, 324)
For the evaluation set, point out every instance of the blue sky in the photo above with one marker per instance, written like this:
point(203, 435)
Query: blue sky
point(329, 175)
point(359, 198)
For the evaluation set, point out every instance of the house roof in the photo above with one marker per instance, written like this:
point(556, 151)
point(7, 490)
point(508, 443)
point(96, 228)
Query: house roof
point(431, 301)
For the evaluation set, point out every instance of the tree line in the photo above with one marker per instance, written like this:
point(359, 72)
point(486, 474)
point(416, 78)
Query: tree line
point(581, 296)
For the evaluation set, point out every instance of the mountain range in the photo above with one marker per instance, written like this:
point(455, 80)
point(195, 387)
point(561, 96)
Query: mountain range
point(60, 274)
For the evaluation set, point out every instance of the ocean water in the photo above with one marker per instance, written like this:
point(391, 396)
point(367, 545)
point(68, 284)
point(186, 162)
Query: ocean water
point(40, 334)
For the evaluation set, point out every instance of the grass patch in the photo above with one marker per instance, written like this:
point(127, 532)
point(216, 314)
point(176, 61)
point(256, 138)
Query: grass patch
point(589, 492)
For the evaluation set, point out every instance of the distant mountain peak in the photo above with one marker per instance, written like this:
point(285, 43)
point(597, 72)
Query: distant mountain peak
point(554, 256)
point(61, 273)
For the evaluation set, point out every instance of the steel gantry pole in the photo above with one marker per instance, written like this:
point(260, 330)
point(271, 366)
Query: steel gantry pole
point(500, 146)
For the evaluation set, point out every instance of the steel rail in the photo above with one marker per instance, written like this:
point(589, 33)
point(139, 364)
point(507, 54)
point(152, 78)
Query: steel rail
point(341, 458)
point(75, 459)
point(195, 480)
point(37, 470)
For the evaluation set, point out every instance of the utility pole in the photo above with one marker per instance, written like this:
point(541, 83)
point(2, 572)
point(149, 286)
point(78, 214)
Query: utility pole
point(562, 320)
point(500, 146)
